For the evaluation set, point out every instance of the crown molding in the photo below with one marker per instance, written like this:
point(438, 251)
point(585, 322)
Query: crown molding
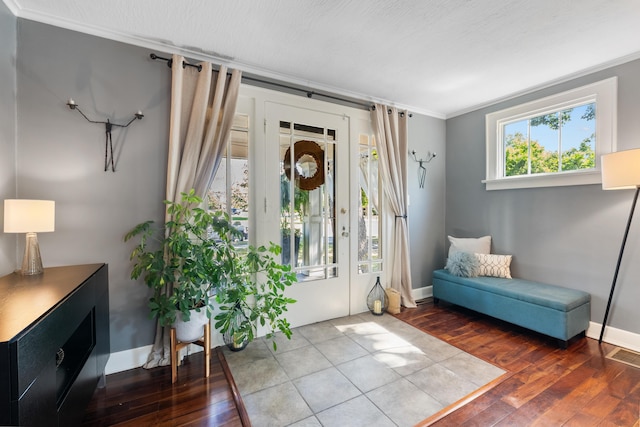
point(564, 79)
point(13, 7)
point(166, 47)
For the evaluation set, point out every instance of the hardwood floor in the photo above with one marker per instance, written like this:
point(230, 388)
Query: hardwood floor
point(141, 397)
point(546, 386)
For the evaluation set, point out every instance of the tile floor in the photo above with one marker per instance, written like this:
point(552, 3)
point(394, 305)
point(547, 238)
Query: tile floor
point(360, 370)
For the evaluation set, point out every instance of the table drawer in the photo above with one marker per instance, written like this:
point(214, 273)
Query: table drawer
point(38, 346)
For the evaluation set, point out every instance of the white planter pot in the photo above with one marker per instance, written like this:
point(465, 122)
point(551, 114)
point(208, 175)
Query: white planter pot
point(193, 329)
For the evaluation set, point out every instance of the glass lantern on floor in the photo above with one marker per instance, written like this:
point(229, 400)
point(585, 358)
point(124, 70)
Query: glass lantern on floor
point(377, 300)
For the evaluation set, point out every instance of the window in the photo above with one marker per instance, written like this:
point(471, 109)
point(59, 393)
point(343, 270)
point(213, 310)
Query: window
point(229, 190)
point(369, 213)
point(553, 141)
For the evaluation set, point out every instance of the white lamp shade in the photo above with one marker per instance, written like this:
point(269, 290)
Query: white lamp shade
point(621, 170)
point(29, 216)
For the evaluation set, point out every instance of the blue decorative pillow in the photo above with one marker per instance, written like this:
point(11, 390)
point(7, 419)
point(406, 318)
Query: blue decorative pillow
point(463, 264)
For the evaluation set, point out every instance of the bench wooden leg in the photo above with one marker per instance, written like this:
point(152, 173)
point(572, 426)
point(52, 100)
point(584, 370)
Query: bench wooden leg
point(565, 344)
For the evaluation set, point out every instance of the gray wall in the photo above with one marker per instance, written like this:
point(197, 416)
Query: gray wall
point(60, 156)
point(7, 130)
point(568, 236)
point(426, 205)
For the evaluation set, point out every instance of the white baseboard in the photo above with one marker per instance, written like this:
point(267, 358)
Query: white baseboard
point(127, 359)
point(422, 293)
point(614, 336)
point(619, 337)
point(136, 357)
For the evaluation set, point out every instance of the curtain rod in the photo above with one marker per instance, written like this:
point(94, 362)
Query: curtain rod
point(309, 93)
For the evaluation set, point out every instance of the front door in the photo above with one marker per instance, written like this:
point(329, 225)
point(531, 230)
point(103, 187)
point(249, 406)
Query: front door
point(308, 176)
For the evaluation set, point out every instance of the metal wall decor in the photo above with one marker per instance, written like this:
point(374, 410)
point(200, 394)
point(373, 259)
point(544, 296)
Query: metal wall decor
point(308, 164)
point(108, 144)
point(422, 171)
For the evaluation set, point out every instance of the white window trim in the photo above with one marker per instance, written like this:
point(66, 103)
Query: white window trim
point(604, 93)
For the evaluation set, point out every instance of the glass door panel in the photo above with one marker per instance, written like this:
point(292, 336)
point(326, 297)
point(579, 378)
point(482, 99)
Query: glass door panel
point(370, 208)
point(308, 219)
point(307, 172)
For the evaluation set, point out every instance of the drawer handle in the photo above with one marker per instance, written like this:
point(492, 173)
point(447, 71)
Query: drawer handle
point(59, 357)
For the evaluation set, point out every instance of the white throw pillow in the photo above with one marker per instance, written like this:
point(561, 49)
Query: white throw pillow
point(480, 245)
point(494, 265)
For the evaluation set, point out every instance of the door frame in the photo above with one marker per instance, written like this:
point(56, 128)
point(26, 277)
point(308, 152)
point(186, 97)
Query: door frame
point(252, 100)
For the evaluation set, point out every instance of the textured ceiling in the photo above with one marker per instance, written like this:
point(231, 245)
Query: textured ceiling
point(436, 57)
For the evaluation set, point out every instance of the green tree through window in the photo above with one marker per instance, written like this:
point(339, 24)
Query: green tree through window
point(565, 142)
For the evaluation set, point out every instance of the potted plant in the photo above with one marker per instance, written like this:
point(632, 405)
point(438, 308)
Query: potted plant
point(194, 254)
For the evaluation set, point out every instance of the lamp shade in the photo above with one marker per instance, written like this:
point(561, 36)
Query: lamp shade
point(621, 170)
point(29, 216)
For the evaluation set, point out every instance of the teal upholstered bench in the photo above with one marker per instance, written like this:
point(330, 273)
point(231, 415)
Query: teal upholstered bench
point(555, 311)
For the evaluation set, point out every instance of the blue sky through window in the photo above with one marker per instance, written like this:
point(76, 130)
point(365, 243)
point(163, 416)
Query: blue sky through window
point(574, 131)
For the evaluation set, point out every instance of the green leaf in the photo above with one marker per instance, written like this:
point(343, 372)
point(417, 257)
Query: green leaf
point(185, 266)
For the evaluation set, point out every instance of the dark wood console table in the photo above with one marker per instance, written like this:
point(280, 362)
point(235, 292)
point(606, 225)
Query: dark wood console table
point(54, 344)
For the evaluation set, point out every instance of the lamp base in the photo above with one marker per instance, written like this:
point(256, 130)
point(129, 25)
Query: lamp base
point(31, 260)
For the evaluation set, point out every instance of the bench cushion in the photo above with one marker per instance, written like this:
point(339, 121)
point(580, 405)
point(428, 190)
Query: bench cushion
point(551, 310)
point(555, 297)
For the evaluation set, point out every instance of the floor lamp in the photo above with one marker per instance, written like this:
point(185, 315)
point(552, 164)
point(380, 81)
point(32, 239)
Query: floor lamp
point(620, 171)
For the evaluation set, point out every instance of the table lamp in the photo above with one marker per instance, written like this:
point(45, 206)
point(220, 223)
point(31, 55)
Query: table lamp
point(620, 171)
point(31, 217)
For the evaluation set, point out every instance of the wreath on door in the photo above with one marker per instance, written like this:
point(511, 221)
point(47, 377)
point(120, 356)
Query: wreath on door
point(308, 164)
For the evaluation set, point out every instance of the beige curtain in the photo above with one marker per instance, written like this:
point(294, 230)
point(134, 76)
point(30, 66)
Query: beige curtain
point(203, 104)
point(391, 131)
